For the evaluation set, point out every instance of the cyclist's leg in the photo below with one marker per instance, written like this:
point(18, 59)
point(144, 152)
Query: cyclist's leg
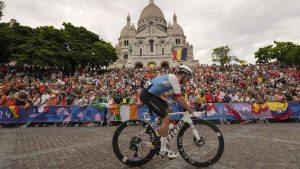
point(164, 130)
point(161, 108)
point(165, 121)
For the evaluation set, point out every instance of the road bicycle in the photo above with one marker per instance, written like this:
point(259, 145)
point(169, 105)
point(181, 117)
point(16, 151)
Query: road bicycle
point(199, 142)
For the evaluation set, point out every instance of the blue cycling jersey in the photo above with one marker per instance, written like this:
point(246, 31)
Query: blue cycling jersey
point(164, 83)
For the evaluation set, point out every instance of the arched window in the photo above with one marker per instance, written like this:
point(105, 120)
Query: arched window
point(126, 42)
point(151, 45)
point(141, 51)
point(162, 51)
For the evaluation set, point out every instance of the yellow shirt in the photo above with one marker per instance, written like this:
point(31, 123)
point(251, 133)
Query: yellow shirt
point(201, 99)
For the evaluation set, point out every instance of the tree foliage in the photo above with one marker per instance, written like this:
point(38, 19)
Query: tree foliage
point(286, 53)
point(2, 6)
point(221, 55)
point(67, 48)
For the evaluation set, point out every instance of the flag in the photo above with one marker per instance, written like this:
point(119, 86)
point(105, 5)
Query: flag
point(233, 112)
point(15, 111)
point(134, 114)
point(174, 54)
point(279, 110)
point(125, 112)
point(259, 108)
point(179, 54)
point(211, 109)
point(184, 54)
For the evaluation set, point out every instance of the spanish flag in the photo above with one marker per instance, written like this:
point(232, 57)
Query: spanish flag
point(179, 54)
point(259, 108)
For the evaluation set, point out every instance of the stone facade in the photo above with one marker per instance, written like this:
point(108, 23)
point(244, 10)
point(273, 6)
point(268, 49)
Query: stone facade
point(151, 43)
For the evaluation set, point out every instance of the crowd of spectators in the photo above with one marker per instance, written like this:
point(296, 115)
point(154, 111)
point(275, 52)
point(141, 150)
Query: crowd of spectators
point(26, 86)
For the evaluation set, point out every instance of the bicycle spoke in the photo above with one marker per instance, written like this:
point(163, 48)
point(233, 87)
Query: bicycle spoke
point(125, 139)
point(205, 152)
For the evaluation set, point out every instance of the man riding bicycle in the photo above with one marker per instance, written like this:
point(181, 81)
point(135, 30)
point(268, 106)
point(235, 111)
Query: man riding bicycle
point(150, 96)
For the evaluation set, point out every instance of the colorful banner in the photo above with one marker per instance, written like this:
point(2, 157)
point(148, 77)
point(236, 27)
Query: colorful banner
point(51, 114)
point(234, 111)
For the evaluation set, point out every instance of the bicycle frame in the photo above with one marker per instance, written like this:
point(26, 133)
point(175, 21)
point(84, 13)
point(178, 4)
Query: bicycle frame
point(187, 118)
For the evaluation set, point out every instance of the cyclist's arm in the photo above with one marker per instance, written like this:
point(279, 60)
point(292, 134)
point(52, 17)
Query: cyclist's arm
point(183, 103)
point(177, 93)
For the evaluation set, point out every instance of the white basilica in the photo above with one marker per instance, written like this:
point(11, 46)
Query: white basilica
point(151, 44)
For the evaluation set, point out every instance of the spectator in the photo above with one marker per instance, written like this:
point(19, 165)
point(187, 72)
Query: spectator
point(30, 83)
point(279, 96)
point(36, 99)
point(53, 100)
point(295, 96)
point(45, 97)
point(209, 97)
point(192, 98)
point(201, 99)
point(11, 100)
point(227, 98)
point(3, 98)
point(234, 97)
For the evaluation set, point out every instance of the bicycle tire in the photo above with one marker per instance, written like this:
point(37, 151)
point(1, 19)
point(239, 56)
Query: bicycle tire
point(119, 154)
point(186, 156)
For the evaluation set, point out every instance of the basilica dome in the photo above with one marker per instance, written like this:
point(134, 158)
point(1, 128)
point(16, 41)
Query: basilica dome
point(152, 11)
point(126, 29)
point(177, 29)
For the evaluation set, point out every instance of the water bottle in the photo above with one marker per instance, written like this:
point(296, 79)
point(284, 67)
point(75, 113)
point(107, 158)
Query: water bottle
point(146, 116)
point(171, 126)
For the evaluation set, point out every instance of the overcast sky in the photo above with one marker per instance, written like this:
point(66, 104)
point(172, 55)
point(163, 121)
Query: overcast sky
point(243, 25)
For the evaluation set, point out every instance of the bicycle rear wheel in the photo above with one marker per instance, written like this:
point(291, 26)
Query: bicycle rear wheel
point(131, 145)
point(204, 152)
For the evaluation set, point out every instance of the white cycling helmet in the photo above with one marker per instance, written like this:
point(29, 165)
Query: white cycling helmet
point(185, 69)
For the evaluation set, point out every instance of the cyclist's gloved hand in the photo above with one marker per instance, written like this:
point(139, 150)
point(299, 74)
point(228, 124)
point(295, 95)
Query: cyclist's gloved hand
point(197, 114)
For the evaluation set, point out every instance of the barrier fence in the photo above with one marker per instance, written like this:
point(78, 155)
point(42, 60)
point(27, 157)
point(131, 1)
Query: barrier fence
point(216, 111)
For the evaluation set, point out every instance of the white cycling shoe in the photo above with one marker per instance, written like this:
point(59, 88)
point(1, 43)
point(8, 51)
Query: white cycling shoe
point(168, 154)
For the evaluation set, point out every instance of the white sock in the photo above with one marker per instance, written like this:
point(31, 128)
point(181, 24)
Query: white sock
point(163, 144)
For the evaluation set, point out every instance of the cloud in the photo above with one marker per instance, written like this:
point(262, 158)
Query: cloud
point(243, 25)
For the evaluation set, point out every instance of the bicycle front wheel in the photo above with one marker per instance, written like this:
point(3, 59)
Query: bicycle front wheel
point(134, 143)
point(204, 152)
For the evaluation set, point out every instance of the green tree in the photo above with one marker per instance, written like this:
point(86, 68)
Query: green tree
point(221, 55)
point(264, 55)
point(240, 61)
point(47, 46)
point(86, 48)
point(286, 53)
point(11, 38)
point(2, 6)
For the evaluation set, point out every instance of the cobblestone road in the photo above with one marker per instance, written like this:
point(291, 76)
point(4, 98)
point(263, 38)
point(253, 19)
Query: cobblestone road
point(274, 146)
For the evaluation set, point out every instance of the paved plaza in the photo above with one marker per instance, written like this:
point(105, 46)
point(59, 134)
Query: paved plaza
point(265, 146)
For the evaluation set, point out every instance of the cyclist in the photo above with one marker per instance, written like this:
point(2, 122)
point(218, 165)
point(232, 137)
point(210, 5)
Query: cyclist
point(150, 96)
